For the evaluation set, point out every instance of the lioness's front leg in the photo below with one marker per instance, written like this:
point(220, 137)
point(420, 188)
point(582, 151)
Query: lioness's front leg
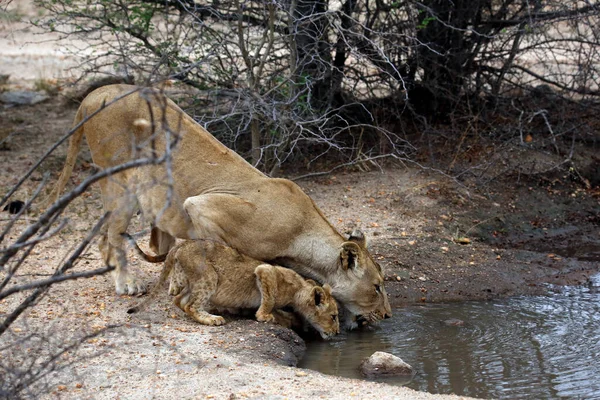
point(267, 283)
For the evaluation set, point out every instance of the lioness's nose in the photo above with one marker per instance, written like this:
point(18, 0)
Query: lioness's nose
point(387, 315)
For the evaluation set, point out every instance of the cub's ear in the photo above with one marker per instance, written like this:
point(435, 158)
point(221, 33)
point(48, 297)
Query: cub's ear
point(358, 237)
point(311, 282)
point(349, 255)
point(318, 295)
point(327, 289)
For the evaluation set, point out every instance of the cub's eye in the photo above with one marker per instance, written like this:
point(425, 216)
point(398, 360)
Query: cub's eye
point(378, 288)
point(334, 317)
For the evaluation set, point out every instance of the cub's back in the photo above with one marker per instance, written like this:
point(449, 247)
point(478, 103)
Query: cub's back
point(236, 286)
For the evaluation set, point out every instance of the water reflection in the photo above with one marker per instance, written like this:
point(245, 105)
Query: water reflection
point(535, 347)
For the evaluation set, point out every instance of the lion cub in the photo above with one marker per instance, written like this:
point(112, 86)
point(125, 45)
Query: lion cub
point(206, 275)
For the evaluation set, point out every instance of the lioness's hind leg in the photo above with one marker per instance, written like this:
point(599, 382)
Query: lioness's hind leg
point(267, 283)
point(125, 282)
point(122, 208)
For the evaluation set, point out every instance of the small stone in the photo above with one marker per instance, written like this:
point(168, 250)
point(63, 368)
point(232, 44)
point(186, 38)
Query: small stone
point(61, 388)
point(301, 373)
point(454, 322)
point(384, 364)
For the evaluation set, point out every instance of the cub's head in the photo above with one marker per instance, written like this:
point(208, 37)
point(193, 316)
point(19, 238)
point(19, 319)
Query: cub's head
point(320, 310)
point(358, 283)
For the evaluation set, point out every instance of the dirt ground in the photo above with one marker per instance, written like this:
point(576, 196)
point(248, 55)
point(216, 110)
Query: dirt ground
point(437, 240)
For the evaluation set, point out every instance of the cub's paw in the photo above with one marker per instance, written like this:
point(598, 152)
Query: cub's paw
point(265, 317)
point(214, 320)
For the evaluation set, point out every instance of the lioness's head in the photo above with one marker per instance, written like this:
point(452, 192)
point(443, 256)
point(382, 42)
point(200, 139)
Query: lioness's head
point(359, 282)
point(321, 311)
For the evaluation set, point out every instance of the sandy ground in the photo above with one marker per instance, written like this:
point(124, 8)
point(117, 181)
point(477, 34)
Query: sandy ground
point(27, 52)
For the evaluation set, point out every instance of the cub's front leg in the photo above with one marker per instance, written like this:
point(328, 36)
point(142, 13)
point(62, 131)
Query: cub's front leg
point(266, 281)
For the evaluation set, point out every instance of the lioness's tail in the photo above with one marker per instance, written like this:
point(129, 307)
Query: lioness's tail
point(153, 259)
point(74, 145)
point(169, 262)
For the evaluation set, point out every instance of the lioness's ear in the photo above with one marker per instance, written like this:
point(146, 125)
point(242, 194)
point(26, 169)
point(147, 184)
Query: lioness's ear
point(318, 295)
point(358, 237)
point(349, 255)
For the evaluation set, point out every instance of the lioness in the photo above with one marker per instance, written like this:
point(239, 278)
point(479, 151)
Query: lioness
point(205, 273)
point(207, 191)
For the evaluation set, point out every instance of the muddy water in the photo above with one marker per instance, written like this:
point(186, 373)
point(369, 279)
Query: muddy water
point(526, 347)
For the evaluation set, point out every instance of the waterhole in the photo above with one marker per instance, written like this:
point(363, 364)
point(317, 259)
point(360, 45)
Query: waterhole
point(541, 347)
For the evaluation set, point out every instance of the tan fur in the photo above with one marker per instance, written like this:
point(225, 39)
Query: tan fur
point(206, 275)
point(210, 193)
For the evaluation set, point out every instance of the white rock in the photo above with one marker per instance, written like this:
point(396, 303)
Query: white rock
point(384, 364)
point(22, 98)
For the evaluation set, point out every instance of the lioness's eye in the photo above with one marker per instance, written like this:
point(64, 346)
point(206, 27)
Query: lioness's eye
point(378, 288)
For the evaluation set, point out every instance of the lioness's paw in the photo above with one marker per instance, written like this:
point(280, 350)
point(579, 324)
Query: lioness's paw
point(126, 283)
point(263, 317)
